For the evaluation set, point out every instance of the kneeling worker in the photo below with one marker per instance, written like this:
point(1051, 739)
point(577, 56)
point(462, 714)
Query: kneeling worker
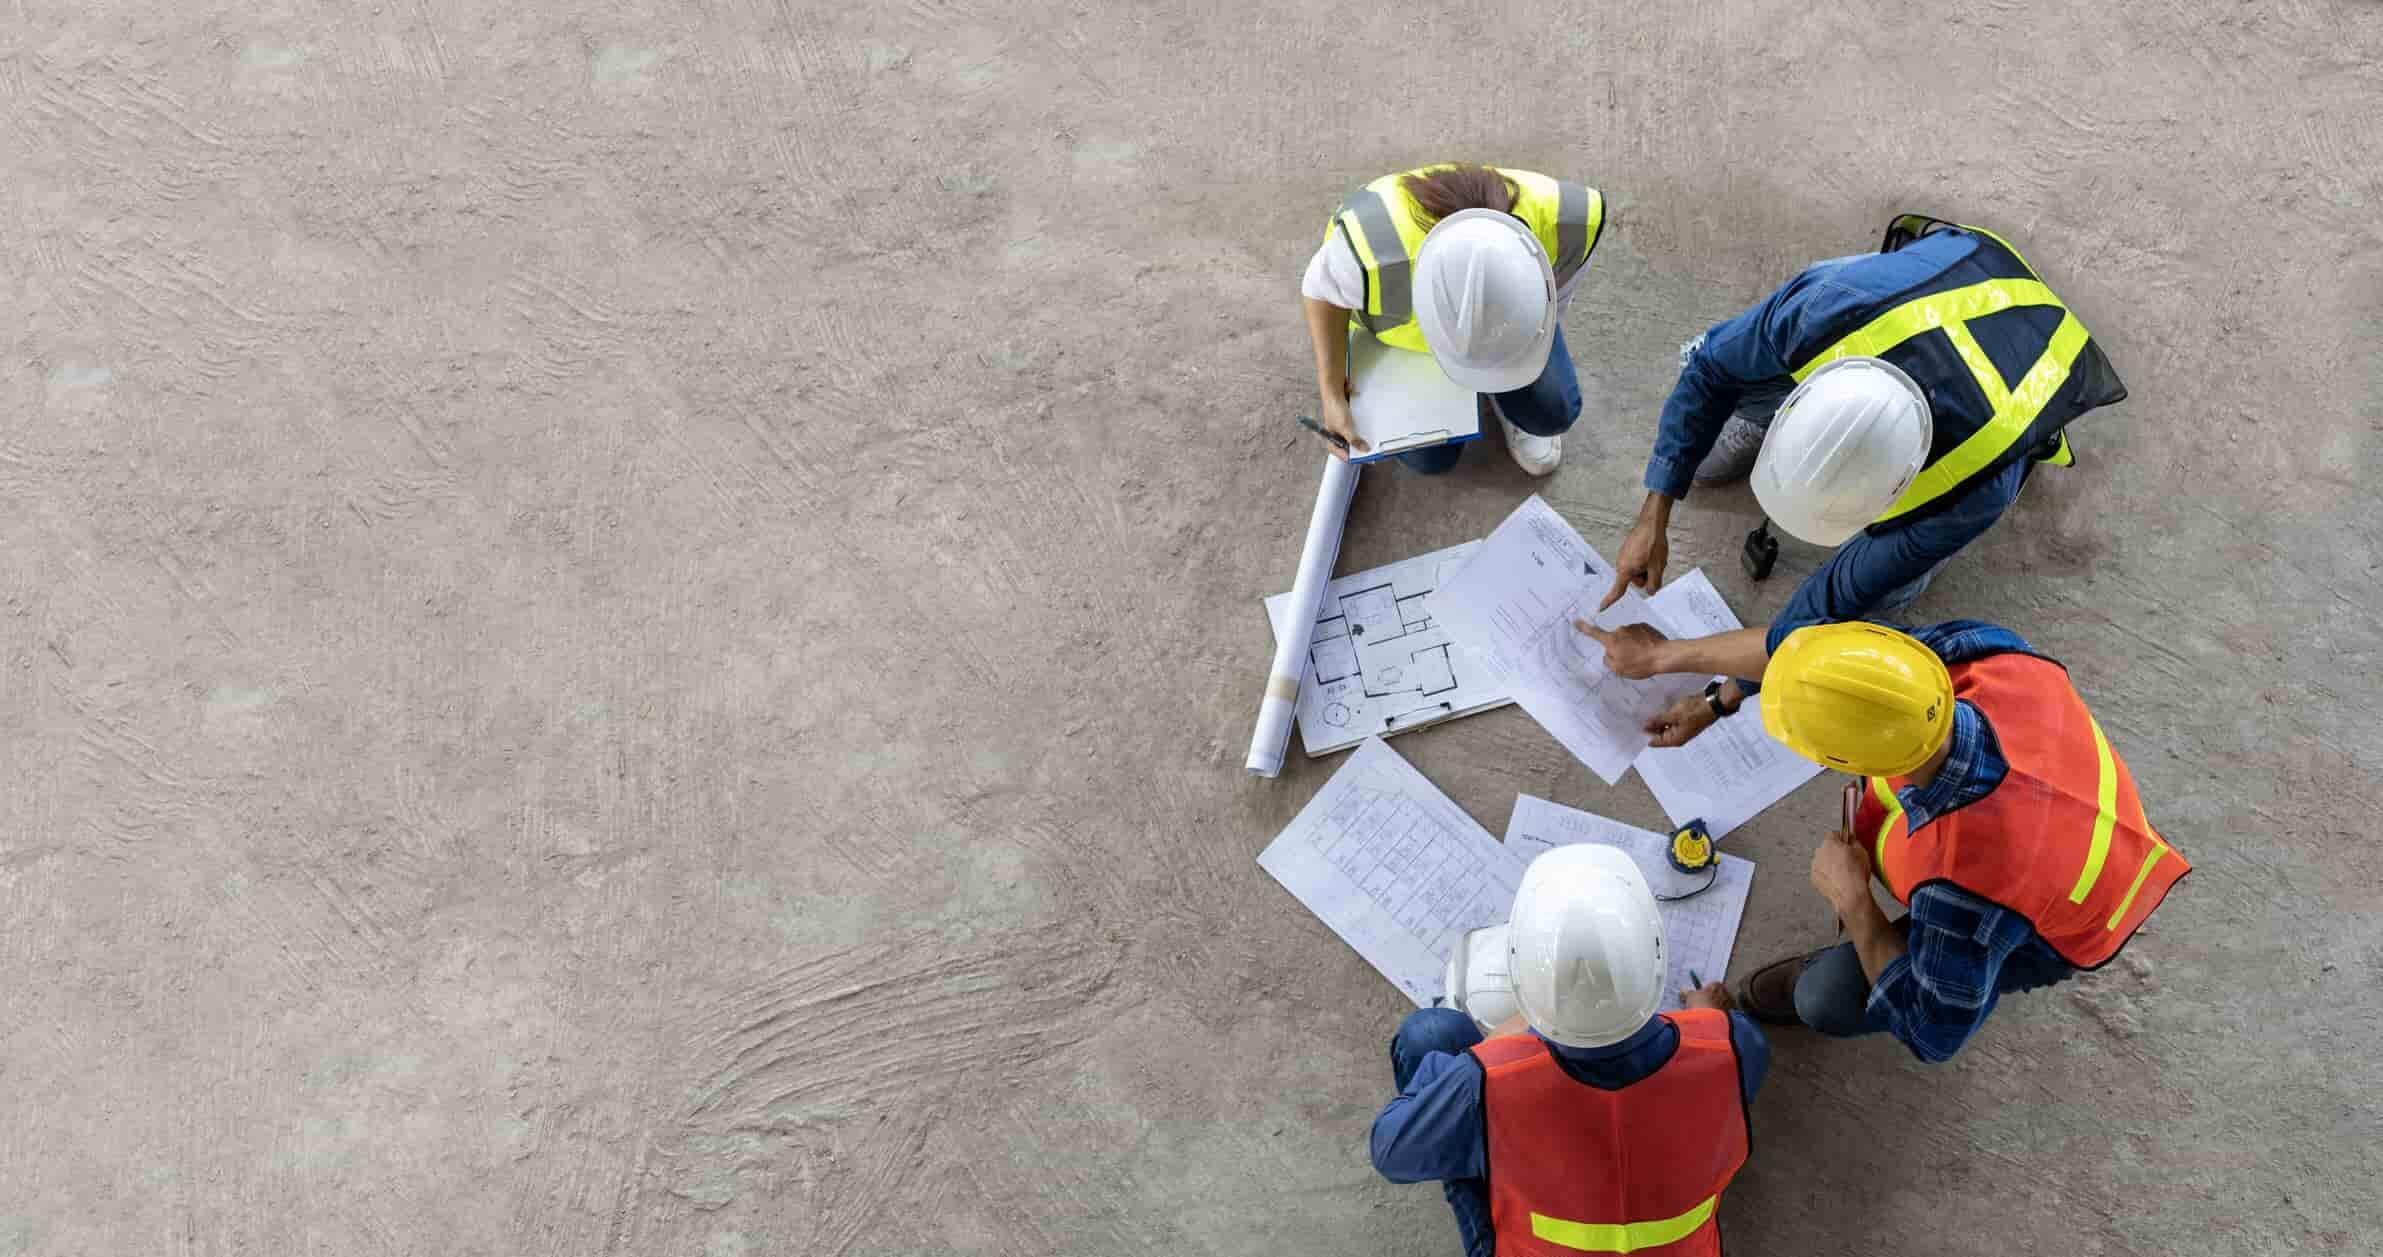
point(1995, 809)
point(1587, 1122)
point(1474, 266)
point(1890, 404)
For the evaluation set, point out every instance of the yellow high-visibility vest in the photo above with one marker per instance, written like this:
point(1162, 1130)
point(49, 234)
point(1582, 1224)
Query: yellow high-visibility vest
point(1381, 226)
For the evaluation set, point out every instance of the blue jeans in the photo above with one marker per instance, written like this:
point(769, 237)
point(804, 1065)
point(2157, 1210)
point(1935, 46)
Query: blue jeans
point(1428, 1030)
point(1833, 995)
point(1547, 406)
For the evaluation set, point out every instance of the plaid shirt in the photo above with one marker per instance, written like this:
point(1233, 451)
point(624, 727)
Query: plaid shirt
point(1965, 952)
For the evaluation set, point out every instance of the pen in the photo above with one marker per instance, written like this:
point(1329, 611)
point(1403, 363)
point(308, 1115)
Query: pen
point(1698, 982)
point(1322, 431)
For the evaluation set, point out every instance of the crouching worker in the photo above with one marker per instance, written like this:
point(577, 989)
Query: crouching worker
point(1587, 1121)
point(1994, 809)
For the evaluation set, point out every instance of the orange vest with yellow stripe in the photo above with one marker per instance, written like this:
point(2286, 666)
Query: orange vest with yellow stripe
point(1575, 1169)
point(2063, 841)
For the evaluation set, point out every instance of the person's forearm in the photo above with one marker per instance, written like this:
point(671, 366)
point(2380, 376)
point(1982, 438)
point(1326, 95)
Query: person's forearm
point(1739, 653)
point(1875, 939)
point(1328, 334)
point(1690, 422)
point(1656, 510)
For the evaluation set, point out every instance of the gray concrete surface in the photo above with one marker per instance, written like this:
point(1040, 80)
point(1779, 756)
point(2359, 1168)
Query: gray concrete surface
point(629, 628)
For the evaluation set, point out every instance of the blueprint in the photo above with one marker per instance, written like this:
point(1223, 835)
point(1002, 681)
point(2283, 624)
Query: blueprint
point(1379, 663)
point(1397, 871)
point(1513, 605)
point(1699, 933)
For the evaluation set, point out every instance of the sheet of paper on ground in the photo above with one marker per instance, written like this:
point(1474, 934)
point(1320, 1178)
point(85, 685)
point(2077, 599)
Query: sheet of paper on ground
point(1398, 871)
point(1512, 605)
point(1733, 769)
point(1379, 663)
point(1698, 933)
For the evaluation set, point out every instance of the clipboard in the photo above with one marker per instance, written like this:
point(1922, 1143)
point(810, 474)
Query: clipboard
point(1404, 402)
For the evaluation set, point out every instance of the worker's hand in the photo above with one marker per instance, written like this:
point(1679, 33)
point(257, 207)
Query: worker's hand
point(1644, 552)
point(1684, 719)
point(1633, 652)
point(1841, 872)
point(1711, 995)
point(1337, 421)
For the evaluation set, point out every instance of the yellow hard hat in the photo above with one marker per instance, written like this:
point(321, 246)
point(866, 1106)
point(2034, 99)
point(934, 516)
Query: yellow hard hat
point(1859, 697)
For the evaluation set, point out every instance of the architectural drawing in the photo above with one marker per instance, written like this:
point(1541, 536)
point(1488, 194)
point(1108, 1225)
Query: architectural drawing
point(1378, 663)
point(1393, 867)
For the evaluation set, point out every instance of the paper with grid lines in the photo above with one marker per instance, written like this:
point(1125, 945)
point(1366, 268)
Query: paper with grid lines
point(1398, 871)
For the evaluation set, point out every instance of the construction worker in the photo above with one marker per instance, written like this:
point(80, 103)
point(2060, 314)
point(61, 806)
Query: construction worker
point(1474, 266)
point(1587, 1121)
point(1995, 810)
point(1889, 404)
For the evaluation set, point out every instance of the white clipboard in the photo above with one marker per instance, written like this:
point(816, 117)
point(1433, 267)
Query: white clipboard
point(1404, 401)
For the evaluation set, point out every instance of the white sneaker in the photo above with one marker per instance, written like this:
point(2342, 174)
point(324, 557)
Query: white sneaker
point(1733, 454)
point(1536, 455)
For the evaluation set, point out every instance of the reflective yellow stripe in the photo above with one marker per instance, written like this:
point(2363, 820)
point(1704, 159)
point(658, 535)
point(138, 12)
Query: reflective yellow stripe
point(2158, 849)
point(1628, 1237)
point(1998, 395)
point(2010, 422)
point(1894, 806)
point(2063, 456)
point(2106, 798)
point(1927, 314)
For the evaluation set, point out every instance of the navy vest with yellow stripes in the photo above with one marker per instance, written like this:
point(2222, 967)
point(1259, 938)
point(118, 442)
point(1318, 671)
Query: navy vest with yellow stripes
point(2004, 363)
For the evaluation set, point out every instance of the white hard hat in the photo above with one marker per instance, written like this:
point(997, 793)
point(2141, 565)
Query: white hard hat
point(1479, 983)
point(1843, 447)
point(1485, 298)
point(1585, 946)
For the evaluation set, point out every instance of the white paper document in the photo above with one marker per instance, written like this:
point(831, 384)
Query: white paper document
point(1512, 606)
point(1733, 770)
point(1398, 871)
point(1403, 401)
point(1698, 933)
point(1378, 663)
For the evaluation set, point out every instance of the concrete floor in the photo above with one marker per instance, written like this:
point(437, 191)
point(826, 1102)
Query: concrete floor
point(630, 628)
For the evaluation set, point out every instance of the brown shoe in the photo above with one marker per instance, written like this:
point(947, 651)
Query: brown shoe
point(1769, 994)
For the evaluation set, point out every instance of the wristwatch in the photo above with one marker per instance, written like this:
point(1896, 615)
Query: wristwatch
point(1713, 700)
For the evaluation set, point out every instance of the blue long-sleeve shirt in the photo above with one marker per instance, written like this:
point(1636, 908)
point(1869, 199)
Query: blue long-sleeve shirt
point(1760, 347)
point(1434, 1128)
point(1963, 952)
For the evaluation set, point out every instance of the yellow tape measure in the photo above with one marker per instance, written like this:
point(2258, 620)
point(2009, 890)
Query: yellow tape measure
point(1691, 847)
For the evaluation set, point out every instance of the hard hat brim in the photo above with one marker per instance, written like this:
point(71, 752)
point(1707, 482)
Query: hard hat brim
point(1505, 377)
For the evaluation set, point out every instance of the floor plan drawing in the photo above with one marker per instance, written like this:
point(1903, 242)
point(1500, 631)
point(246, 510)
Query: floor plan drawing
point(1379, 664)
point(1394, 868)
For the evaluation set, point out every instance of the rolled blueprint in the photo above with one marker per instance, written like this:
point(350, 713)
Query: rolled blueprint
point(1307, 592)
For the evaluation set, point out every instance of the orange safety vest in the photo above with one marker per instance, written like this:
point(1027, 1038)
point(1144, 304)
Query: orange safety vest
point(1574, 1169)
point(2062, 841)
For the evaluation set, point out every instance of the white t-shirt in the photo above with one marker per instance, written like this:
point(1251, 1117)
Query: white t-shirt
point(1334, 277)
